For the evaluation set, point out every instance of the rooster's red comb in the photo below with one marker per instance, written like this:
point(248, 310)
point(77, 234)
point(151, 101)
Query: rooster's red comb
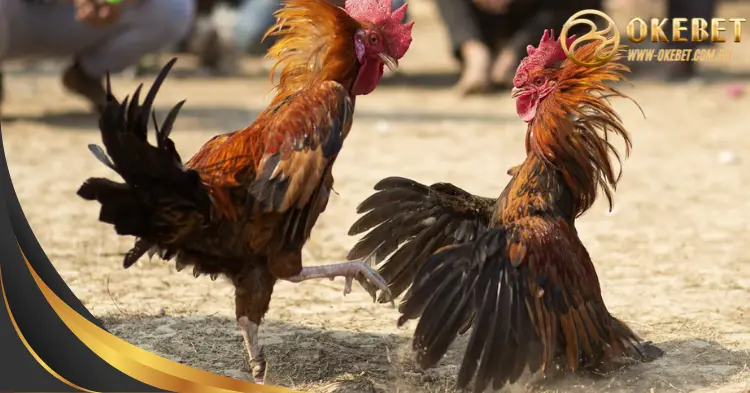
point(379, 13)
point(548, 53)
point(550, 50)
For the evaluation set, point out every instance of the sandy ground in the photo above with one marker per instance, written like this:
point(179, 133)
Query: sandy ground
point(670, 256)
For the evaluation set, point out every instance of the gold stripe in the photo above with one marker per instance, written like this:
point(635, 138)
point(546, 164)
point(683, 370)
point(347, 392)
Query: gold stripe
point(139, 363)
point(29, 348)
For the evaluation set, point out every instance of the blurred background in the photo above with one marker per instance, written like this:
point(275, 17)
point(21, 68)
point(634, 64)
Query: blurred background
point(469, 46)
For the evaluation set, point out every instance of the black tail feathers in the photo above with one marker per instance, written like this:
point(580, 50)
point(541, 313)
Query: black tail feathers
point(159, 193)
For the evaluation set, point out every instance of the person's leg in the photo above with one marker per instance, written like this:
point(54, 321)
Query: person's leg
point(691, 9)
point(686, 9)
point(145, 27)
point(461, 18)
point(203, 9)
point(45, 30)
point(527, 20)
point(254, 18)
point(37, 30)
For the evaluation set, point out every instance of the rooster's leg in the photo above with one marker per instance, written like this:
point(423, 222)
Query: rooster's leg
point(349, 270)
point(254, 348)
point(252, 294)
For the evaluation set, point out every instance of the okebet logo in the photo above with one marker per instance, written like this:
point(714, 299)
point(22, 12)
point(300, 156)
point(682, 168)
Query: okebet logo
point(657, 30)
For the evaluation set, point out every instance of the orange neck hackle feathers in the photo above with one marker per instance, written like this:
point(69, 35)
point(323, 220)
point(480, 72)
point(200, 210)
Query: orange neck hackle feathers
point(571, 128)
point(314, 44)
point(316, 40)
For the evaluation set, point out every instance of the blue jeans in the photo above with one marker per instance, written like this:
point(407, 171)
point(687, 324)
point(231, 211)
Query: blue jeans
point(254, 17)
point(29, 30)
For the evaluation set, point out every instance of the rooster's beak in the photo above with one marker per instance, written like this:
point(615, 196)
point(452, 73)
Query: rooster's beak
point(515, 92)
point(389, 61)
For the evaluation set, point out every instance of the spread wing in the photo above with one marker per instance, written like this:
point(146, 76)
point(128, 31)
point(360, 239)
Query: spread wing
point(415, 220)
point(531, 293)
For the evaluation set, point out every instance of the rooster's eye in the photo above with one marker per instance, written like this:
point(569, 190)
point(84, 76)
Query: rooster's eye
point(373, 39)
point(538, 81)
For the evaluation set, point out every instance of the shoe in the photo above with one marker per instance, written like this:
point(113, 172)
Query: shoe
point(76, 81)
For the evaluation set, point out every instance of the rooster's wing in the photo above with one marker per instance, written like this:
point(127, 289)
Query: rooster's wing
point(531, 293)
point(283, 160)
point(415, 220)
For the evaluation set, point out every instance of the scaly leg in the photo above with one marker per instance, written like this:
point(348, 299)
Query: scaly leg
point(254, 348)
point(253, 289)
point(366, 275)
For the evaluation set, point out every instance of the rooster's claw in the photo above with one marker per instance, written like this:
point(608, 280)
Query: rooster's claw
point(370, 280)
point(367, 276)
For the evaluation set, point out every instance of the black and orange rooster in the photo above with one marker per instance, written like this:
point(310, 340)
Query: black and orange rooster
point(245, 204)
point(513, 268)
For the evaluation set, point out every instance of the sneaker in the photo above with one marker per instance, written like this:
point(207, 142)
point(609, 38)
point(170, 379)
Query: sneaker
point(76, 81)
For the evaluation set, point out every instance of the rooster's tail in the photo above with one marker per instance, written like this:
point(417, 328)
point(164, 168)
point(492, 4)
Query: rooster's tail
point(160, 200)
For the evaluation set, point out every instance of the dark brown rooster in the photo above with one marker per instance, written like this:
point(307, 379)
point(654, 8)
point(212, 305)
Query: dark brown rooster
point(244, 205)
point(513, 268)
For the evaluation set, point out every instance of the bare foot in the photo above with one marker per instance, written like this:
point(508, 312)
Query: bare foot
point(475, 76)
point(501, 73)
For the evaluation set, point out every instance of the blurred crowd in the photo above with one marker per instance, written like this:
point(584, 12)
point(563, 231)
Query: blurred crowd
point(487, 37)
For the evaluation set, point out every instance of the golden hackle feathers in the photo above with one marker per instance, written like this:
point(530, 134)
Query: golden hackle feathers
point(581, 148)
point(314, 43)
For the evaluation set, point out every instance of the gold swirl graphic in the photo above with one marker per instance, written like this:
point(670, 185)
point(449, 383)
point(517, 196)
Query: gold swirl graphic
point(608, 38)
point(28, 346)
point(139, 363)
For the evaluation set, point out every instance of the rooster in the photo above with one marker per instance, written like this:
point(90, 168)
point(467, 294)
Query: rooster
point(244, 205)
point(513, 268)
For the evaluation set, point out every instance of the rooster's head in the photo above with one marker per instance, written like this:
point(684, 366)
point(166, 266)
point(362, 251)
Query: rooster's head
point(381, 40)
point(535, 76)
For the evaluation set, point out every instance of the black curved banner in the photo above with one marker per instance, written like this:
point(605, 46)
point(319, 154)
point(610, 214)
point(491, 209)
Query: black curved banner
point(38, 352)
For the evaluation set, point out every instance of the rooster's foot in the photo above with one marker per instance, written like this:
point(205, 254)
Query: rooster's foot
point(254, 349)
point(650, 351)
point(258, 367)
point(366, 275)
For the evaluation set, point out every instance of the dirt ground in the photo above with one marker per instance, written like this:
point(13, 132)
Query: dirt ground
point(670, 256)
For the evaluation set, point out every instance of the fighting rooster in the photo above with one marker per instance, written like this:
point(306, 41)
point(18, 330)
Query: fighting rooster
point(513, 268)
point(245, 204)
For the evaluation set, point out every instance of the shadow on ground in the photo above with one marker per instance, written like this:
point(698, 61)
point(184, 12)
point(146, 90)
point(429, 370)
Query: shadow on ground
point(321, 360)
point(299, 357)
